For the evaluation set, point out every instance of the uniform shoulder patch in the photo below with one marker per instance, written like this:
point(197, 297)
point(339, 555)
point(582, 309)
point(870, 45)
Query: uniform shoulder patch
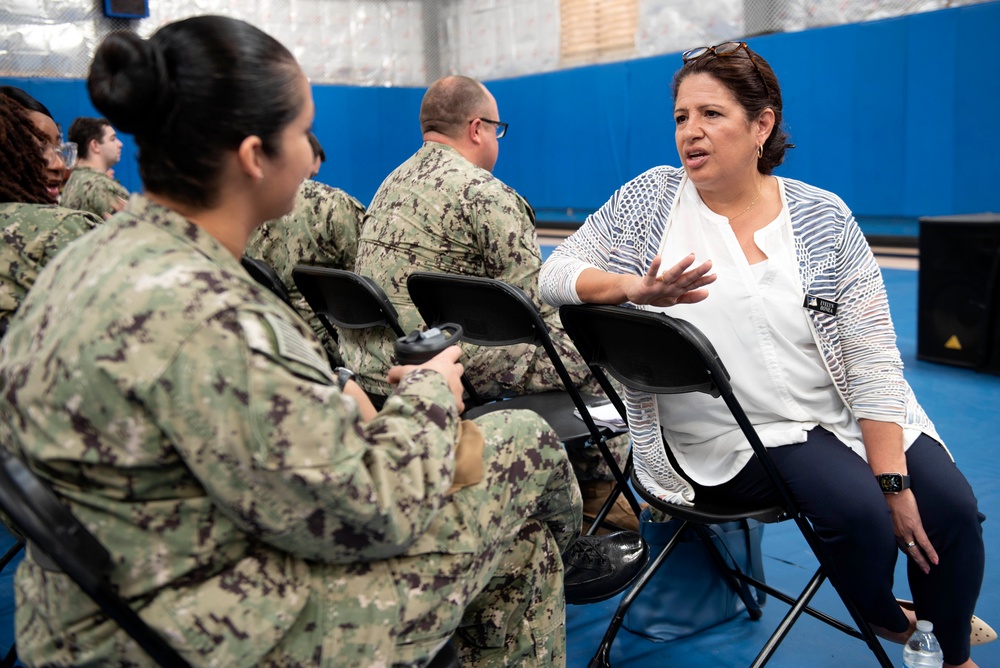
point(274, 336)
point(292, 344)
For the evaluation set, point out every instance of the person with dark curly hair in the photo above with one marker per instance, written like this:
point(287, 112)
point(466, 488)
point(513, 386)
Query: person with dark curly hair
point(779, 276)
point(34, 228)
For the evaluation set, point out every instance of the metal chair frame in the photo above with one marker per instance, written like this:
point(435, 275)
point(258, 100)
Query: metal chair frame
point(656, 353)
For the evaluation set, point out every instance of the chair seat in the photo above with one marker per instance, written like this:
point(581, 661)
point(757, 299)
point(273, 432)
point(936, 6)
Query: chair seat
point(555, 407)
point(710, 513)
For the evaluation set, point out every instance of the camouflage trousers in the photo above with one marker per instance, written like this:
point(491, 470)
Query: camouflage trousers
point(526, 369)
point(502, 601)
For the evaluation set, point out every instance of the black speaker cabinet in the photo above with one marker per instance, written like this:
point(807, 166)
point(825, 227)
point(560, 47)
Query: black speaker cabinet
point(958, 318)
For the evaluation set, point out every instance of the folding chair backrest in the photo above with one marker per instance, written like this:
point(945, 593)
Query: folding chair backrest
point(59, 541)
point(648, 351)
point(265, 274)
point(345, 299)
point(491, 313)
point(656, 353)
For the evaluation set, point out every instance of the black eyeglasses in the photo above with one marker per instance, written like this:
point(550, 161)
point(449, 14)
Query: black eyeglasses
point(723, 50)
point(500, 126)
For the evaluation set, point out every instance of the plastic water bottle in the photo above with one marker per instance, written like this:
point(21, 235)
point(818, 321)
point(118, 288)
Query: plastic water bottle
point(922, 649)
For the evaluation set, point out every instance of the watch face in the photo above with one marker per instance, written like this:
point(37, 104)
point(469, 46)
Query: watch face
point(892, 483)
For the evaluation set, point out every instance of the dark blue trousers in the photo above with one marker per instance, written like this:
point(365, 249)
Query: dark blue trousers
point(838, 493)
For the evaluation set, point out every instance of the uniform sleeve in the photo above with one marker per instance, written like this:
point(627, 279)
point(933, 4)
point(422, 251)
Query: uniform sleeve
point(509, 241)
point(340, 224)
point(260, 422)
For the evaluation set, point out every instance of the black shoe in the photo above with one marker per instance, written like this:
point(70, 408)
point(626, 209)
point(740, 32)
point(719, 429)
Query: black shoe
point(599, 567)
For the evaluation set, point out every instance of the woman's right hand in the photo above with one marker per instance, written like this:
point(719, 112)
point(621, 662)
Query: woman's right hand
point(445, 363)
point(677, 285)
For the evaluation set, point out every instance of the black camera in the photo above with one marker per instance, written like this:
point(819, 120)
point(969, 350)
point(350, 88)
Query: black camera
point(417, 347)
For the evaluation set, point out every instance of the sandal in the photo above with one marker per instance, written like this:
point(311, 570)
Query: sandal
point(982, 632)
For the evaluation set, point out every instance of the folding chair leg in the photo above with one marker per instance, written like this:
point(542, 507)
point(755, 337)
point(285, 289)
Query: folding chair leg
point(602, 658)
point(801, 604)
point(609, 503)
point(862, 625)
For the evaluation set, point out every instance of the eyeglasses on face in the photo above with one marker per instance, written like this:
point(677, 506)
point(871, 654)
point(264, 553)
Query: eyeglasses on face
point(723, 50)
point(65, 151)
point(500, 126)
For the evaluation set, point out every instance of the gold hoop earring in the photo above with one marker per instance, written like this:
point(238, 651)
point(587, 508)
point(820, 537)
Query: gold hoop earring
point(760, 151)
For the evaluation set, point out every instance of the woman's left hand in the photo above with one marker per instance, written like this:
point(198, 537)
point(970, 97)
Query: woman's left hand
point(909, 529)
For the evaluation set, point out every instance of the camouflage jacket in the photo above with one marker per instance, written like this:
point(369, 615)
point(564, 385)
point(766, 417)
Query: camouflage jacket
point(321, 230)
point(191, 421)
point(90, 190)
point(439, 212)
point(32, 235)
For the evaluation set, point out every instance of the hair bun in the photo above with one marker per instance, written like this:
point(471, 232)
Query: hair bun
point(129, 84)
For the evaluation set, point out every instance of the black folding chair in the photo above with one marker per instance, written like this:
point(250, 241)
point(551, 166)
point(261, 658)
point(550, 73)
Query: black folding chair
point(655, 353)
point(59, 542)
point(265, 274)
point(493, 313)
point(342, 298)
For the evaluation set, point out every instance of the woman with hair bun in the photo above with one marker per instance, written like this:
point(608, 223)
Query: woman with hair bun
point(190, 420)
point(780, 278)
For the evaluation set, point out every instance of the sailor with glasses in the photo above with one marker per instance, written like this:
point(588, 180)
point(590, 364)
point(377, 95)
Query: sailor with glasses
point(443, 210)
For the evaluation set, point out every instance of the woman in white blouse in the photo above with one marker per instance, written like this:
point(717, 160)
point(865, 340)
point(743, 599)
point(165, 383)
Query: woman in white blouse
point(780, 278)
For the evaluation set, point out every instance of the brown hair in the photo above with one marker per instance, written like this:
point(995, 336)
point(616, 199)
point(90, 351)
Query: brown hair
point(450, 103)
point(21, 160)
point(82, 130)
point(755, 87)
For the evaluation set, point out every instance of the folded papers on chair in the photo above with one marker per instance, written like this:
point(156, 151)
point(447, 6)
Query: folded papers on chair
point(604, 414)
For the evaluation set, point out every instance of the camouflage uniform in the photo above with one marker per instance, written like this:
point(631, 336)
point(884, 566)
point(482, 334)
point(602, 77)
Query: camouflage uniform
point(189, 419)
point(439, 212)
point(32, 235)
point(321, 230)
point(90, 190)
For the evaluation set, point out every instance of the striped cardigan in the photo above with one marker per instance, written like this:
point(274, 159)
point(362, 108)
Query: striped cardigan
point(858, 344)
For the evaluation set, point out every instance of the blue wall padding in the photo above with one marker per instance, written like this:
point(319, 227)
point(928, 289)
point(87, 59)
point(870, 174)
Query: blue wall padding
point(899, 117)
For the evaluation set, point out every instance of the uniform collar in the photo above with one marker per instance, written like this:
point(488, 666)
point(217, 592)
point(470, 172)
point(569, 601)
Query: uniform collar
point(173, 223)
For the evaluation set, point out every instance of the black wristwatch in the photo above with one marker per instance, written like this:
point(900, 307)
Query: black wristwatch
point(343, 375)
point(893, 483)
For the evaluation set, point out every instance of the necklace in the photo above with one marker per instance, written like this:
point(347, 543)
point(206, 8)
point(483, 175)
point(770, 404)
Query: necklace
point(755, 200)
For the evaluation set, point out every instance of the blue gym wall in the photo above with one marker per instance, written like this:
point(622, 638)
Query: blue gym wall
point(899, 117)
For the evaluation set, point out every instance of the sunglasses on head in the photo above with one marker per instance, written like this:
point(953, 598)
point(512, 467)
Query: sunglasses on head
point(722, 51)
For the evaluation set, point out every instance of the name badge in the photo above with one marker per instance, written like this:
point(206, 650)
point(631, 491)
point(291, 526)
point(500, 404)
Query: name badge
point(819, 304)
